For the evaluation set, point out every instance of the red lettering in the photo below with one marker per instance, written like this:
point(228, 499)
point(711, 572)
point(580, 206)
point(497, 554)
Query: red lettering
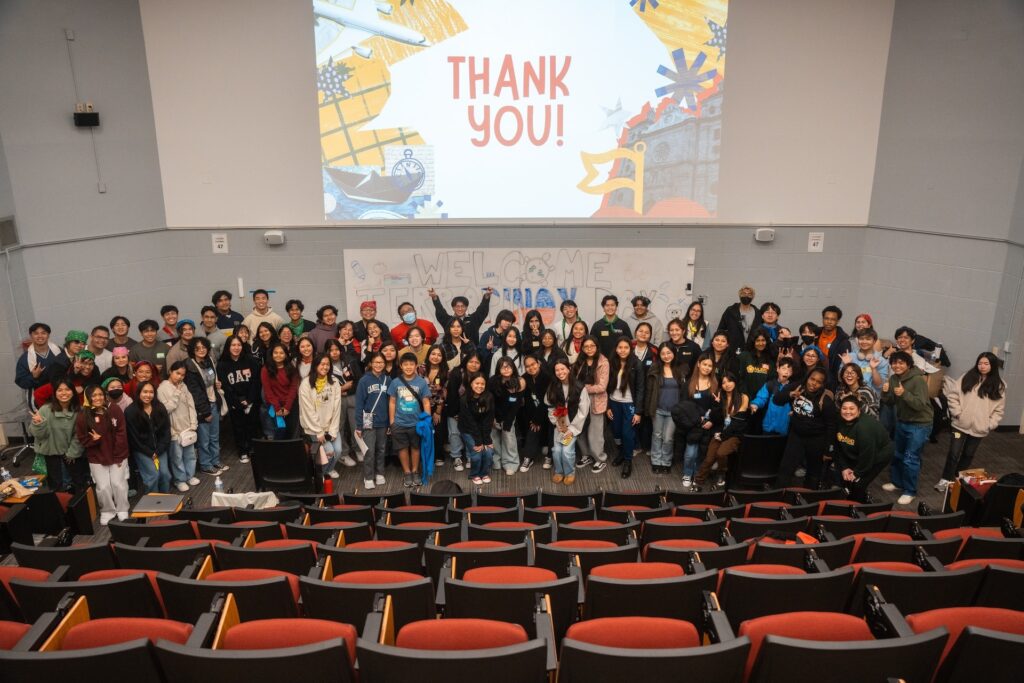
point(537, 76)
point(508, 142)
point(556, 79)
point(455, 62)
point(484, 127)
point(538, 141)
point(483, 77)
point(507, 78)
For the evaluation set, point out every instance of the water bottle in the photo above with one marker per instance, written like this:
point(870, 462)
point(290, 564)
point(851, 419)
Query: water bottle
point(218, 485)
point(4, 474)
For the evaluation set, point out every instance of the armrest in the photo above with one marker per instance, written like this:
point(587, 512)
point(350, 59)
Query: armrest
point(317, 570)
point(193, 569)
point(798, 499)
point(823, 535)
point(694, 565)
point(709, 515)
point(884, 619)
point(855, 513)
point(919, 534)
point(813, 564)
point(924, 510)
point(716, 624)
point(726, 538)
point(576, 571)
point(59, 574)
point(446, 572)
point(927, 562)
point(143, 542)
point(45, 626)
point(379, 626)
point(785, 514)
point(207, 624)
point(544, 629)
point(1009, 530)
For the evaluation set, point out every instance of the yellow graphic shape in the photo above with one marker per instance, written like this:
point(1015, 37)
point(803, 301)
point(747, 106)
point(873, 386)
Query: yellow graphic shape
point(636, 183)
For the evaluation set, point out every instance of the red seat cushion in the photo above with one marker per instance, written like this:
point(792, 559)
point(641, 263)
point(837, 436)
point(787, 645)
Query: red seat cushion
point(106, 574)
point(681, 544)
point(253, 523)
point(269, 634)
point(582, 544)
point(635, 632)
point(956, 619)
point(378, 545)
point(509, 525)
point(241, 575)
point(892, 513)
point(630, 508)
point(878, 536)
point(966, 532)
point(674, 520)
point(376, 576)
point(103, 632)
point(415, 508)
point(348, 507)
point(700, 506)
point(820, 626)
point(638, 571)
point(22, 573)
point(887, 566)
point(336, 525)
point(64, 499)
point(509, 574)
point(194, 543)
point(480, 545)
point(285, 543)
point(985, 562)
point(594, 524)
point(459, 634)
point(420, 525)
point(773, 569)
point(557, 508)
point(11, 632)
point(487, 508)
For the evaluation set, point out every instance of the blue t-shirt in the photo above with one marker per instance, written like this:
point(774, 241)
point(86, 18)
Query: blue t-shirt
point(407, 405)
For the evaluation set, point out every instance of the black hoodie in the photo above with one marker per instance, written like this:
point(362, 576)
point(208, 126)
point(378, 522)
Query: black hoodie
point(240, 379)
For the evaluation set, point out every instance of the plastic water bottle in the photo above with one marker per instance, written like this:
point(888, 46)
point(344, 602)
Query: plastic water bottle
point(218, 485)
point(4, 474)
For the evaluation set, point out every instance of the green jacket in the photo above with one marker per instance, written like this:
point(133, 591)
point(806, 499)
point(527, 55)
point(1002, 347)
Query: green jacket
point(914, 405)
point(56, 434)
point(861, 445)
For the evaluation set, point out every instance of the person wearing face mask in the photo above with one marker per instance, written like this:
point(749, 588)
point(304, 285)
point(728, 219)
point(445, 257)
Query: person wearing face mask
point(808, 333)
point(471, 322)
point(116, 394)
point(862, 449)
point(740, 318)
point(407, 312)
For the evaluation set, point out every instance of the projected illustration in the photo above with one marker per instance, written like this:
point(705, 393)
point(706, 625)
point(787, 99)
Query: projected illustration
point(477, 109)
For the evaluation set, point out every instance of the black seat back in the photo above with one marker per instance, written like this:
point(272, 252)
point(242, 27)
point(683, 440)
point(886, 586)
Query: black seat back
point(747, 596)
point(80, 559)
point(350, 603)
point(130, 533)
point(283, 465)
point(584, 663)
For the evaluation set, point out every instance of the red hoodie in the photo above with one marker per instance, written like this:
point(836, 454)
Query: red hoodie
point(278, 390)
point(112, 448)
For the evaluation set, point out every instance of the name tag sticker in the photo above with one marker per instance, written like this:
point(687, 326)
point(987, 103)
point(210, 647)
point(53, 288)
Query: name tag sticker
point(511, 399)
point(604, 333)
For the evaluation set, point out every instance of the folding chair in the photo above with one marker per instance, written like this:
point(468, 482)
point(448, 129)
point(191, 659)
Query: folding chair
point(215, 515)
point(913, 591)
point(258, 593)
point(985, 643)
point(598, 530)
point(745, 528)
point(663, 528)
point(167, 560)
point(757, 461)
point(350, 512)
point(558, 514)
point(834, 554)
point(683, 551)
point(509, 500)
point(323, 532)
point(584, 554)
point(282, 514)
point(262, 531)
point(130, 593)
point(509, 532)
point(419, 532)
point(350, 597)
point(293, 556)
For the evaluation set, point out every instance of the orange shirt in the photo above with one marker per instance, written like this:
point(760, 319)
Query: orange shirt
point(824, 342)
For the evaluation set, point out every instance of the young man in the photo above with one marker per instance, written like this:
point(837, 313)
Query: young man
point(833, 342)
point(99, 338)
point(226, 318)
point(217, 337)
point(740, 318)
point(770, 313)
point(775, 418)
point(299, 325)
point(326, 327)
point(642, 314)
point(863, 449)
point(32, 368)
point(262, 312)
point(907, 390)
point(407, 312)
point(871, 363)
point(609, 328)
point(570, 314)
point(470, 323)
point(120, 326)
point(149, 349)
point(368, 312)
point(168, 333)
point(492, 338)
point(407, 396)
point(179, 351)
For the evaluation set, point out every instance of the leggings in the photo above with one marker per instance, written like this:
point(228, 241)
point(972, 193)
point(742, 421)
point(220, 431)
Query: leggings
point(810, 448)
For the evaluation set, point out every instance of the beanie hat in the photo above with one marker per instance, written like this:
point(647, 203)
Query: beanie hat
point(368, 304)
point(185, 321)
point(107, 382)
point(76, 335)
point(86, 355)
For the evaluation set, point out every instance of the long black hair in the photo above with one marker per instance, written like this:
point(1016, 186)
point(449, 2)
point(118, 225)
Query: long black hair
point(74, 404)
point(313, 369)
point(615, 364)
point(581, 369)
point(555, 396)
point(991, 385)
point(769, 353)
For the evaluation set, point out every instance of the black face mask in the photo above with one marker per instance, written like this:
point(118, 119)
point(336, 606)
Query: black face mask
point(808, 339)
point(115, 394)
point(745, 300)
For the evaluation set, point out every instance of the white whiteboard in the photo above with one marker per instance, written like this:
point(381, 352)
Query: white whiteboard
point(522, 279)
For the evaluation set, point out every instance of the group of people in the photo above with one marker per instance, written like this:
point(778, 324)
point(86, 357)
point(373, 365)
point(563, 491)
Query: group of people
point(493, 395)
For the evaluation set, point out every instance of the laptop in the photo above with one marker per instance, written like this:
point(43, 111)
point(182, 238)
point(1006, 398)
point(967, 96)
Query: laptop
point(158, 503)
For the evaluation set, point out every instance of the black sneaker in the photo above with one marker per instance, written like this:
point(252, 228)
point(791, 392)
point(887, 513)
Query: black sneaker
point(585, 461)
point(526, 465)
point(407, 480)
point(416, 479)
point(599, 466)
point(212, 471)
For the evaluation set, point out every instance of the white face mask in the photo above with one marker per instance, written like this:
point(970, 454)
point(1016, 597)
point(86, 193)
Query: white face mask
point(409, 318)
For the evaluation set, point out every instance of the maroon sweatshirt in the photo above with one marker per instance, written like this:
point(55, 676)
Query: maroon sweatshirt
point(112, 448)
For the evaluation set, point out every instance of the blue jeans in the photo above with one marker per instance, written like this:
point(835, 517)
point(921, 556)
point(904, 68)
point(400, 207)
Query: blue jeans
point(563, 456)
point(454, 438)
point(661, 440)
point(208, 444)
point(622, 427)
point(183, 462)
point(690, 458)
point(153, 480)
point(479, 462)
point(906, 458)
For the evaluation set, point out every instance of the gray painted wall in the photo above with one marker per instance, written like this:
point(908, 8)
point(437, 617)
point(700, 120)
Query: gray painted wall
point(6, 194)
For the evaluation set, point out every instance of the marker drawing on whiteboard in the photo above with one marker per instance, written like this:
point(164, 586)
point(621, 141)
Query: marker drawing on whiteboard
point(357, 268)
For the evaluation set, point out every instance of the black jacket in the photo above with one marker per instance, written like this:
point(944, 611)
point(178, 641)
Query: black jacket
point(476, 417)
point(607, 333)
point(507, 404)
point(731, 324)
point(534, 410)
point(688, 419)
point(637, 381)
point(360, 330)
point(687, 354)
point(471, 322)
point(240, 380)
point(811, 415)
point(197, 387)
point(148, 434)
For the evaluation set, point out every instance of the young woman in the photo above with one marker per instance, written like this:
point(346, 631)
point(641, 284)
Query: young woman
point(810, 357)
point(116, 394)
point(100, 429)
point(476, 419)
point(320, 414)
point(202, 382)
point(696, 327)
point(149, 439)
point(685, 350)
point(533, 328)
point(701, 390)
point(372, 420)
point(508, 390)
point(533, 420)
point(568, 408)
point(287, 337)
point(455, 345)
point(756, 363)
point(864, 322)
point(280, 382)
point(389, 350)
point(242, 332)
point(414, 343)
point(723, 355)
point(812, 427)
point(730, 419)
point(350, 346)
point(458, 385)
point(266, 337)
point(347, 369)
point(239, 378)
point(862, 448)
point(664, 384)
point(435, 371)
point(573, 345)
point(591, 370)
point(304, 357)
point(509, 348)
point(851, 383)
point(181, 408)
point(625, 402)
point(53, 427)
point(374, 340)
point(976, 404)
point(120, 366)
point(549, 351)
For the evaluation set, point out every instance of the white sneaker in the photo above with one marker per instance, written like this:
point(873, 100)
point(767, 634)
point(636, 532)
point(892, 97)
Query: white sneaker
point(194, 481)
point(687, 482)
point(122, 516)
point(510, 471)
point(942, 485)
point(244, 458)
point(334, 474)
point(181, 486)
point(458, 465)
point(381, 480)
point(905, 499)
point(889, 487)
point(547, 464)
point(347, 461)
point(368, 484)
point(223, 468)
point(105, 518)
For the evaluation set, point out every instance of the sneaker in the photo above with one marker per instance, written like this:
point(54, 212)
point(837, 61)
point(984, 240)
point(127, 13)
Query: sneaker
point(380, 480)
point(547, 464)
point(105, 518)
point(212, 471)
point(942, 485)
point(687, 482)
point(509, 471)
point(557, 478)
point(487, 479)
point(334, 474)
point(496, 465)
point(243, 458)
point(222, 468)
point(527, 464)
point(889, 487)
point(800, 473)
point(407, 481)
point(417, 480)
point(585, 461)
point(368, 484)
point(122, 516)
point(599, 466)
point(458, 465)
point(194, 481)
point(347, 461)
point(477, 481)
point(569, 479)
point(438, 462)
point(720, 484)
point(131, 493)
point(905, 499)
point(181, 486)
